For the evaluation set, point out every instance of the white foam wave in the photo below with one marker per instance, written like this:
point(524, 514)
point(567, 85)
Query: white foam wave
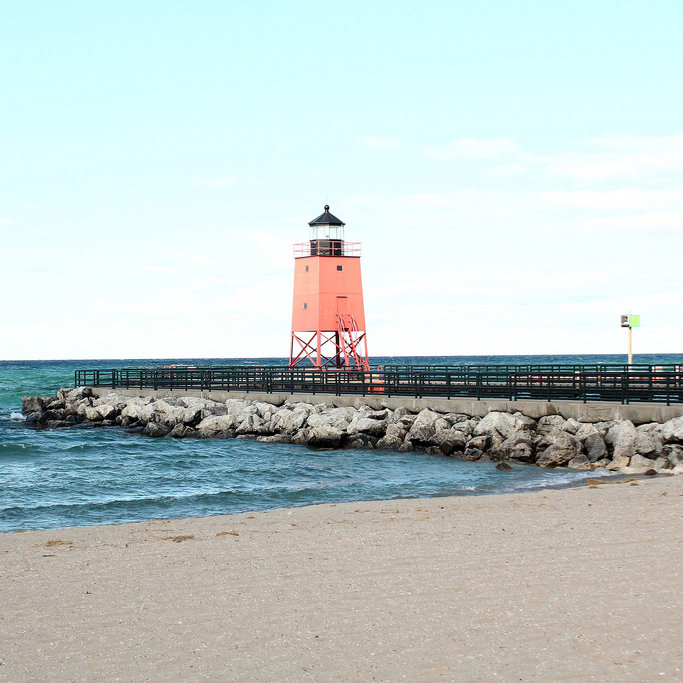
point(16, 416)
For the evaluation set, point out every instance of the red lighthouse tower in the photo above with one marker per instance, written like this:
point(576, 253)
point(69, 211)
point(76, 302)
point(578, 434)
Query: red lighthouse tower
point(328, 318)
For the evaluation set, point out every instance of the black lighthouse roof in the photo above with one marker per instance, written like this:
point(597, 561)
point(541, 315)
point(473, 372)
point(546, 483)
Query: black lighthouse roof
point(326, 219)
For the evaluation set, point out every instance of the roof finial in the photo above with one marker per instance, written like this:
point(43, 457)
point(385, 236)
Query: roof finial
point(327, 207)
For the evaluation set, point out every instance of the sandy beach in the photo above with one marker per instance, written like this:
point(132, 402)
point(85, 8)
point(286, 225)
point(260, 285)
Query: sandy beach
point(571, 585)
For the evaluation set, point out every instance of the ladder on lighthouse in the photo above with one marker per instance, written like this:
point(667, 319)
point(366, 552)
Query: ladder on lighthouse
point(350, 341)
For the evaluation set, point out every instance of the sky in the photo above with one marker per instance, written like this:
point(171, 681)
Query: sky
point(513, 170)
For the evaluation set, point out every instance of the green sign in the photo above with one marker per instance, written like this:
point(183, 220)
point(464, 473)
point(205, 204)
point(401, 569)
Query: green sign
point(634, 321)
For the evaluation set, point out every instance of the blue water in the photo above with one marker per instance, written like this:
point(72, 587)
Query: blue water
point(79, 477)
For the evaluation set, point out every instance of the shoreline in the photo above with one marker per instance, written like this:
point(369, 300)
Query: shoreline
point(566, 584)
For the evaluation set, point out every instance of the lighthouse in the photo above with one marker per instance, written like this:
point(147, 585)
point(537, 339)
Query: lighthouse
point(328, 318)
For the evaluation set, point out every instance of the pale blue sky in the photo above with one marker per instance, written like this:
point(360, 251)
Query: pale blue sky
point(513, 169)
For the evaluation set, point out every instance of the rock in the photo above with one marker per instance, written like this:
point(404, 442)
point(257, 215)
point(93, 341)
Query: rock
point(618, 463)
point(300, 437)
point(32, 404)
point(648, 441)
point(156, 430)
point(480, 443)
point(595, 447)
point(641, 461)
point(92, 414)
point(672, 431)
point(367, 425)
point(504, 451)
point(325, 436)
point(423, 428)
point(288, 421)
point(560, 452)
point(603, 462)
point(662, 463)
point(580, 462)
point(406, 447)
point(452, 448)
point(472, 454)
point(585, 430)
point(106, 411)
point(678, 469)
point(217, 423)
point(337, 419)
point(504, 425)
point(604, 427)
point(549, 422)
point(503, 466)
point(451, 435)
point(239, 407)
point(522, 452)
point(275, 438)
point(631, 469)
point(622, 437)
point(393, 439)
point(360, 441)
point(673, 453)
point(181, 431)
point(252, 424)
point(78, 394)
point(368, 412)
point(571, 426)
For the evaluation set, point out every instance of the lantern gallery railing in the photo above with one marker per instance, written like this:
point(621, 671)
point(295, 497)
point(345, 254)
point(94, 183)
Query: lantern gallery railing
point(327, 248)
point(621, 384)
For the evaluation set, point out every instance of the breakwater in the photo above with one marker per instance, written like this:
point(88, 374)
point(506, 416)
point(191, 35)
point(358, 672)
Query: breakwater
point(549, 441)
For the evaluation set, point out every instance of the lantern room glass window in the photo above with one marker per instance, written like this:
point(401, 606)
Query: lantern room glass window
point(327, 232)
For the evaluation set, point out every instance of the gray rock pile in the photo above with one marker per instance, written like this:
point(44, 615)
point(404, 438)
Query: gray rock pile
point(551, 441)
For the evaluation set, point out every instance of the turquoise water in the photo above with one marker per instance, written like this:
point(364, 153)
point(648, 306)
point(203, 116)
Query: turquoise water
point(80, 477)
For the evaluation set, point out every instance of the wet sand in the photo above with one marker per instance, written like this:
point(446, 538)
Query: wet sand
point(572, 585)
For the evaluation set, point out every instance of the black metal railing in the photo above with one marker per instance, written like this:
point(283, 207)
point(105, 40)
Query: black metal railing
point(617, 383)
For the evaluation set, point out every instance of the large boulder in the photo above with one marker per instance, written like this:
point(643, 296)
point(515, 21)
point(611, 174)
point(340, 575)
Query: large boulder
point(252, 424)
point(423, 428)
point(560, 452)
point(672, 431)
point(103, 411)
point(648, 441)
point(335, 418)
point(673, 452)
point(505, 450)
point(504, 425)
point(32, 404)
point(622, 438)
point(77, 394)
point(289, 421)
point(394, 438)
point(239, 407)
point(367, 425)
point(595, 447)
point(453, 436)
point(618, 463)
point(325, 436)
point(643, 462)
point(580, 462)
point(550, 422)
point(585, 430)
point(216, 424)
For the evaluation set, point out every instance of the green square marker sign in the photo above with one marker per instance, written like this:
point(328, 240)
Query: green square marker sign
point(634, 321)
